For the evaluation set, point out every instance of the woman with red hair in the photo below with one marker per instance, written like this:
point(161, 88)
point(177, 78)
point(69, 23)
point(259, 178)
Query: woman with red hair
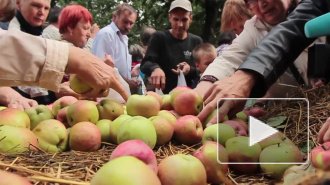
point(75, 25)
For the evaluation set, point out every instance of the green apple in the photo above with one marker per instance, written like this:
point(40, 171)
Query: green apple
point(276, 138)
point(137, 127)
point(142, 105)
point(85, 136)
point(208, 154)
point(14, 117)
point(239, 150)
point(52, 135)
point(38, 114)
point(17, 139)
point(167, 114)
point(211, 133)
point(157, 96)
point(188, 130)
point(82, 110)
point(114, 127)
point(242, 115)
point(104, 126)
point(7, 178)
point(62, 103)
point(209, 117)
point(110, 109)
point(279, 153)
point(166, 102)
point(77, 85)
point(181, 169)
point(125, 170)
point(164, 129)
point(189, 102)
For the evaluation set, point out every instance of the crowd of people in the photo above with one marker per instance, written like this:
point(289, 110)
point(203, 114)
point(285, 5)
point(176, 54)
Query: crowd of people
point(261, 52)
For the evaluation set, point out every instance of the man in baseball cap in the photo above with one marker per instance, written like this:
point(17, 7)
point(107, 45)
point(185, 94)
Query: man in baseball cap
point(184, 4)
point(171, 51)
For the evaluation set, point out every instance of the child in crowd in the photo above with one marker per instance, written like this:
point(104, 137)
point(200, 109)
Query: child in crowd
point(224, 40)
point(204, 54)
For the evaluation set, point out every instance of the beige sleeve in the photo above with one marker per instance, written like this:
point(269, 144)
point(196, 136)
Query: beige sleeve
point(89, 45)
point(228, 61)
point(31, 60)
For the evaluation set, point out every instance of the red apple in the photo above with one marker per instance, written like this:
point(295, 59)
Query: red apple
point(62, 103)
point(188, 130)
point(176, 91)
point(320, 156)
point(85, 136)
point(208, 154)
point(239, 129)
point(167, 114)
point(82, 110)
point(61, 116)
point(164, 129)
point(188, 102)
point(256, 112)
point(138, 149)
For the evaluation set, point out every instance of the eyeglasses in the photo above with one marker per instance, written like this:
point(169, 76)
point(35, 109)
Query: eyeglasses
point(251, 3)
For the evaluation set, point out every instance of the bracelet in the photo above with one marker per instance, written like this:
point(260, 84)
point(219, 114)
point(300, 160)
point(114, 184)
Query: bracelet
point(208, 78)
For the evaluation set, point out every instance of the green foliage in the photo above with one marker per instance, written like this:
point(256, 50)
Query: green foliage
point(152, 13)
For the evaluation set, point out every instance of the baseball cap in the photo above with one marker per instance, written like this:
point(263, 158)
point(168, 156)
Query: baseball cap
point(184, 4)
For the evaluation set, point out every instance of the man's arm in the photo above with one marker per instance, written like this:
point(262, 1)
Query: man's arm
point(282, 45)
point(149, 62)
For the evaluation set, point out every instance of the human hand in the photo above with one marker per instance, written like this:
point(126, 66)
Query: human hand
point(324, 133)
point(239, 85)
point(65, 90)
point(317, 82)
point(94, 29)
point(202, 87)
point(94, 72)
point(158, 78)
point(108, 60)
point(20, 102)
point(183, 66)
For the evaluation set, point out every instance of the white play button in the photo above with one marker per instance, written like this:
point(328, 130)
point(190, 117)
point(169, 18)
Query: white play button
point(259, 130)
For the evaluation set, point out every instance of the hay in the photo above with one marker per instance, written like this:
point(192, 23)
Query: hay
point(78, 168)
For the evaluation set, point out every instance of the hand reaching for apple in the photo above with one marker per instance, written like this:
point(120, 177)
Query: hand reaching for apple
point(65, 90)
point(238, 85)
point(324, 133)
point(94, 72)
point(12, 99)
point(158, 78)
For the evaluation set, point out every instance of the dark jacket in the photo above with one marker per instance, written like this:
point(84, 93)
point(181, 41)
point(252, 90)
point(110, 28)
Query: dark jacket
point(282, 45)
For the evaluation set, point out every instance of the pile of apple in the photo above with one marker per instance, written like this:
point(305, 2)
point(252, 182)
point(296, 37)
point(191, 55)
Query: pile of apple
point(137, 127)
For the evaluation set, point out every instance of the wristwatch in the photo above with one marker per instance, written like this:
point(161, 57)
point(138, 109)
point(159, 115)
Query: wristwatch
point(208, 78)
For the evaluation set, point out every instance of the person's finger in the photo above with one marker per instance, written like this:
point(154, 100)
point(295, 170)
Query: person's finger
point(176, 71)
point(117, 86)
point(326, 137)
point(33, 103)
point(323, 130)
point(156, 82)
point(162, 82)
point(206, 111)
